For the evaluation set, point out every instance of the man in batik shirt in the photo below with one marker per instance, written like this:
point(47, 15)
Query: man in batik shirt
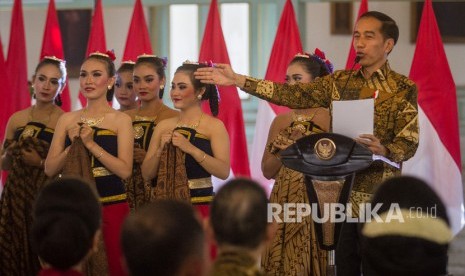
point(396, 130)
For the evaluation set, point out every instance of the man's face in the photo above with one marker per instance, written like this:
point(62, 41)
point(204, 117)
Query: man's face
point(370, 44)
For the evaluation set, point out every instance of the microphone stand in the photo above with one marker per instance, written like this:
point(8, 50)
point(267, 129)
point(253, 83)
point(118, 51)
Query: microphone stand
point(356, 60)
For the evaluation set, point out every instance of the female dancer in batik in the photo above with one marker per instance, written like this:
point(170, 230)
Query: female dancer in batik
point(149, 84)
point(28, 136)
point(107, 135)
point(124, 87)
point(294, 250)
point(199, 138)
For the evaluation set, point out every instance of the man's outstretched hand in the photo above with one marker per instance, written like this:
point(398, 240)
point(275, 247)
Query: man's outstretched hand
point(220, 74)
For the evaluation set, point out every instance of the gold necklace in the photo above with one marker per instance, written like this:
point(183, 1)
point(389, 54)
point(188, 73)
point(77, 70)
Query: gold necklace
point(46, 121)
point(91, 121)
point(138, 117)
point(192, 126)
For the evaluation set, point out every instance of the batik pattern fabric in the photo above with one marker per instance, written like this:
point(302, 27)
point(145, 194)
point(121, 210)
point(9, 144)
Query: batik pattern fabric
point(236, 263)
point(16, 203)
point(172, 176)
point(138, 190)
point(294, 250)
point(395, 114)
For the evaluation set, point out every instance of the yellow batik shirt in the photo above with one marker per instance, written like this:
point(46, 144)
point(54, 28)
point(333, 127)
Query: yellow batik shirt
point(395, 117)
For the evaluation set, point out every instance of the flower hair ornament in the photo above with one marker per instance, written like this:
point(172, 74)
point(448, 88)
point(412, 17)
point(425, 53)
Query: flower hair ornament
point(164, 60)
point(190, 62)
point(303, 55)
point(321, 56)
point(59, 60)
point(109, 54)
point(208, 63)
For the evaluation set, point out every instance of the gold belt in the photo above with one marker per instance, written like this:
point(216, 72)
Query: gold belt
point(201, 199)
point(199, 183)
point(109, 199)
point(100, 171)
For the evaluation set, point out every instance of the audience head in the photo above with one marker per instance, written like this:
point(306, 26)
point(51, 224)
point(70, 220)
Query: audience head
point(304, 68)
point(164, 238)
point(415, 239)
point(238, 215)
point(124, 86)
point(106, 59)
point(149, 76)
point(67, 219)
point(185, 75)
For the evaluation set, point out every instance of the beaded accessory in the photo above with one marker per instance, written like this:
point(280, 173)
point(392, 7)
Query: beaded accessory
point(108, 54)
point(164, 60)
point(320, 55)
point(55, 59)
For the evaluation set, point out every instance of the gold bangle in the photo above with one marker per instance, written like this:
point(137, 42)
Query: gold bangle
point(203, 158)
point(99, 154)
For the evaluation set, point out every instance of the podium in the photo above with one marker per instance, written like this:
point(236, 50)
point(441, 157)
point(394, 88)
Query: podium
point(329, 162)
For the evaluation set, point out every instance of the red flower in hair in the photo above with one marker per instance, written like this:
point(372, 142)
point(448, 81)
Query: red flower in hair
point(210, 63)
point(111, 54)
point(320, 54)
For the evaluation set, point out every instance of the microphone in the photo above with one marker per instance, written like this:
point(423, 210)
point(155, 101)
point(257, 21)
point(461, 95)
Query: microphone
point(356, 60)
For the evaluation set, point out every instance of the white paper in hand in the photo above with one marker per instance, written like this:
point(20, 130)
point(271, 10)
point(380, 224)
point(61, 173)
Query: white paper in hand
point(352, 118)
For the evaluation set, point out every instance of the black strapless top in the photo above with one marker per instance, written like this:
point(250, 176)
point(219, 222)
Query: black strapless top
point(202, 194)
point(109, 186)
point(143, 131)
point(34, 129)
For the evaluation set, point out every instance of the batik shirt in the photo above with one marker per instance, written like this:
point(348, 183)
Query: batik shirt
point(395, 115)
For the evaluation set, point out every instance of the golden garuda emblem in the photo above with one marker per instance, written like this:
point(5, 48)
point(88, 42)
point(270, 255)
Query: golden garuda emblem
point(325, 149)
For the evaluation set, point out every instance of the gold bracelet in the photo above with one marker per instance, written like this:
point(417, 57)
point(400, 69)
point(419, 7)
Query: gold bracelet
point(99, 154)
point(203, 158)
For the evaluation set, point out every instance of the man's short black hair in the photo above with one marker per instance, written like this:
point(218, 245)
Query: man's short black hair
point(389, 28)
point(160, 236)
point(239, 214)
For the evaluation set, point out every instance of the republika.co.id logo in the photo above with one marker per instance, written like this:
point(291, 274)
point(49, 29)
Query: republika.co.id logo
point(337, 212)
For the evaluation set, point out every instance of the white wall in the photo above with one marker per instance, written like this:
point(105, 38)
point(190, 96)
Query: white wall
point(336, 47)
